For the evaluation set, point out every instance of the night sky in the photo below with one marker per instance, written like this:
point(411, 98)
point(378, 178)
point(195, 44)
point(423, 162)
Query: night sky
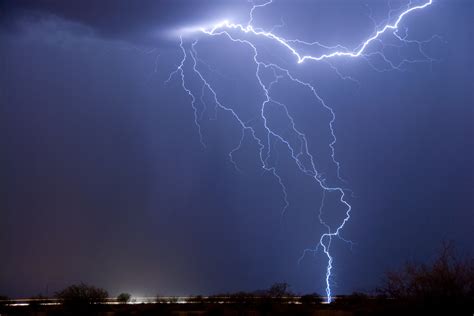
point(104, 179)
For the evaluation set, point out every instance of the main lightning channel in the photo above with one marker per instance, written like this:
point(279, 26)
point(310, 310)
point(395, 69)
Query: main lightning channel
point(301, 58)
point(301, 155)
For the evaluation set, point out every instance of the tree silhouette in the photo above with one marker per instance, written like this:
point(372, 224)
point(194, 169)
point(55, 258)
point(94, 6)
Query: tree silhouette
point(124, 297)
point(279, 290)
point(447, 281)
point(82, 294)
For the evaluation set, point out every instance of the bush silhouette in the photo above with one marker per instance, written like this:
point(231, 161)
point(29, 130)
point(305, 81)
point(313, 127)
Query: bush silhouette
point(448, 281)
point(82, 294)
point(311, 299)
point(3, 300)
point(279, 290)
point(124, 297)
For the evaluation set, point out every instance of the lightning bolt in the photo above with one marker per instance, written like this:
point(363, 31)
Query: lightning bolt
point(259, 129)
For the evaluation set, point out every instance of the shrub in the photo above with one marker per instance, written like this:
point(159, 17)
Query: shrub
point(448, 281)
point(82, 294)
point(124, 297)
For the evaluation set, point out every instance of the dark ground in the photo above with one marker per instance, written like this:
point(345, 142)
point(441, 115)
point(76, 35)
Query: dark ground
point(342, 307)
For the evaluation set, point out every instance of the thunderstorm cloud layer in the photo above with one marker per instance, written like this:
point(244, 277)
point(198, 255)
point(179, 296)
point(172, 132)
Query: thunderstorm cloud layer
point(214, 164)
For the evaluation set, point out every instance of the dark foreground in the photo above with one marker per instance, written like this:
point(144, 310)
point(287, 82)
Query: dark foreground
point(342, 307)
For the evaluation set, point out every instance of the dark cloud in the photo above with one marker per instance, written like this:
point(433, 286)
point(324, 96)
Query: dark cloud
point(136, 21)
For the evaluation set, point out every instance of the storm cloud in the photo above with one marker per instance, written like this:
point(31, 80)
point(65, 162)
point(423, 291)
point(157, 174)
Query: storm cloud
point(141, 22)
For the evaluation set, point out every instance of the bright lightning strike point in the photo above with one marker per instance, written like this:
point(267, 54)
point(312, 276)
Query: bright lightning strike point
point(300, 154)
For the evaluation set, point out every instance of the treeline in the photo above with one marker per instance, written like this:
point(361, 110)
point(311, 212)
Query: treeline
point(446, 285)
